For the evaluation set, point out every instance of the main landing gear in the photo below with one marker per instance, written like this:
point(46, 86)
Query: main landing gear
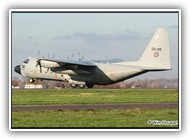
point(81, 86)
point(75, 86)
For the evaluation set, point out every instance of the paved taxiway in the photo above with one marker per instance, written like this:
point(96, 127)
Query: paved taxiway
point(93, 106)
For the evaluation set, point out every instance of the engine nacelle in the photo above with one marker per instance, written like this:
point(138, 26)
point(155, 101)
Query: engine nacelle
point(48, 64)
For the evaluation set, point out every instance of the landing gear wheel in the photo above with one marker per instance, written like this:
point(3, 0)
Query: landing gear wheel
point(90, 85)
point(73, 85)
point(82, 86)
point(31, 80)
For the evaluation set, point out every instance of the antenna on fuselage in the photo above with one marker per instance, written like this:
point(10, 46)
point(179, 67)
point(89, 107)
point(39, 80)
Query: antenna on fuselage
point(67, 57)
point(80, 57)
point(38, 53)
point(72, 56)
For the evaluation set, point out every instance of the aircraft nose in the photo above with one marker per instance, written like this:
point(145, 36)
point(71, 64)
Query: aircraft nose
point(17, 69)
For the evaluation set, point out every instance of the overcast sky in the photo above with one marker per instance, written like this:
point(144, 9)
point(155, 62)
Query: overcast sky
point(97, 36)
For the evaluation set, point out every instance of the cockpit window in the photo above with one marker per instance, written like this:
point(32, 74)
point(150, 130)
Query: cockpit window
point(26, 61)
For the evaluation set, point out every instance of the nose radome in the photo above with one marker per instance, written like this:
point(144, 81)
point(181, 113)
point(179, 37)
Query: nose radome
point(17, 69)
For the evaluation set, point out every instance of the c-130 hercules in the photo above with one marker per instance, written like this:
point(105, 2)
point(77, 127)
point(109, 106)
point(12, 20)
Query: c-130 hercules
point(156, 57)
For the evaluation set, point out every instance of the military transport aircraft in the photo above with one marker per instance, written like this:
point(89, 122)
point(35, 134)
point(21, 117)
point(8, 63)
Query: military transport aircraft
point(156, 57)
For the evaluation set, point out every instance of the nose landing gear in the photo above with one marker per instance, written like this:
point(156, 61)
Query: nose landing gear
point(31, 80)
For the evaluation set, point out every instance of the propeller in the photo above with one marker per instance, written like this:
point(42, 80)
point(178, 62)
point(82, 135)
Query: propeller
point(80, 57)
point(67, 57)
point(38, 63)
point(72, 56)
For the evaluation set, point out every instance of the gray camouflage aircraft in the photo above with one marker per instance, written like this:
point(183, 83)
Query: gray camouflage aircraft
point(156, 57)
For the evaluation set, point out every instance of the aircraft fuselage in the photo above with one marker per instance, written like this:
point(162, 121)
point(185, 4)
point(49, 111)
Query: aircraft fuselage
point(103, 74)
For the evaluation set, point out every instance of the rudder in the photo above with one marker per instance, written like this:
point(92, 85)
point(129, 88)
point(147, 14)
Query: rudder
point(157, 56)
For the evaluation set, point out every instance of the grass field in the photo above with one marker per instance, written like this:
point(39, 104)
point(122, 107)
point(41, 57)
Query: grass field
point(92, 118)
point(128, 118)
point(70, 96)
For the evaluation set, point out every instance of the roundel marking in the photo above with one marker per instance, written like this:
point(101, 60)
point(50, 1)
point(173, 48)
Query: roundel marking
point(155, 54)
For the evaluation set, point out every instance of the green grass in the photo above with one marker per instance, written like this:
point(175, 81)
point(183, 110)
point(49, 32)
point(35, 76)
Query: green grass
point(78, 96)
point(93, 118)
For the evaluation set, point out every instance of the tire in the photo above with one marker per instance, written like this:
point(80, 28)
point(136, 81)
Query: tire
point(82, 86)
point(31, 80)
point(90, 85)
point(73, 85)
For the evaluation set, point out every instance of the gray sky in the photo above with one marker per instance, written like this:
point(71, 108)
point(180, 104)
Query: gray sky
point(97, 36)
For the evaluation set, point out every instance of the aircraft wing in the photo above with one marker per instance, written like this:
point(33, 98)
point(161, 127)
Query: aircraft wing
point(79, 63)
point(69, 64)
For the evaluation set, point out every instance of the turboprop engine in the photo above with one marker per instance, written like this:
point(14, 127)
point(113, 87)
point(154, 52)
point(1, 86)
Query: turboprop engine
point(48, 64)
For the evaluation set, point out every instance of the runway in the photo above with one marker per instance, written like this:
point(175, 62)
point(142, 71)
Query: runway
point(93, 106)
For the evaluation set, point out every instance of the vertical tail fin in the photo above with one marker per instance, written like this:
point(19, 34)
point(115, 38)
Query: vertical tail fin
point(157, 56)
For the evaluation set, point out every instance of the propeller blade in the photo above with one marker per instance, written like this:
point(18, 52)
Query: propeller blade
point(39, 64)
